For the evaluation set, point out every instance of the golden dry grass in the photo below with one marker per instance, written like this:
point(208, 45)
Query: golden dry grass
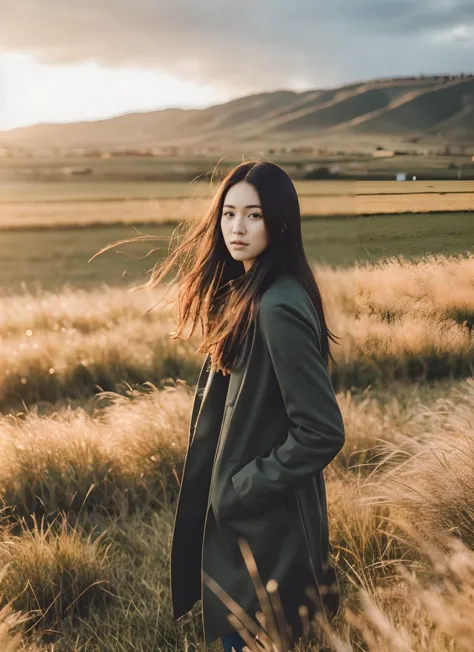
point(88, 488)
point(396, 320)
point(20, 215)
point(414, 203)
point(415, 187)
point(117, 470)
point(103, 191)
point(345, 198)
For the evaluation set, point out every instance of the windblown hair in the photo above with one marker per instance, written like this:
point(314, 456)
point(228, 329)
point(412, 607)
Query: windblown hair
point(213, 287)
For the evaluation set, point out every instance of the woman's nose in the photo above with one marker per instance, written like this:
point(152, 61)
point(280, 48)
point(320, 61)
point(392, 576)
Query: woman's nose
point(238, 229)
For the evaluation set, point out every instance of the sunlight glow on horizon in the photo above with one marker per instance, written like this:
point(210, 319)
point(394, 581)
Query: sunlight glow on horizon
point(34, 93)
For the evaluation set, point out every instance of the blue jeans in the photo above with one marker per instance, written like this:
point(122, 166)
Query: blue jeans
point(233, 640)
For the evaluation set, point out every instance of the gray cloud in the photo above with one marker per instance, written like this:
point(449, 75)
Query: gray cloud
point(406, 16)
point(251, 45)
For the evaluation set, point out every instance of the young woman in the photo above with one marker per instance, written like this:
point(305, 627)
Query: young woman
point(265, 421)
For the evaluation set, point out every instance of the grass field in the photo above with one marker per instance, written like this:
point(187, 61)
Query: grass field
point(102, 469)
point(95, 400)
point(398, 320)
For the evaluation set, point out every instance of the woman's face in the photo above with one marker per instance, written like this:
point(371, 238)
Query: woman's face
point(242, 219)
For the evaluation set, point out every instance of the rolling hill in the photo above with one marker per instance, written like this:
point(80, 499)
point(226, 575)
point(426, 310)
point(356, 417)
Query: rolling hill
point(436, 108)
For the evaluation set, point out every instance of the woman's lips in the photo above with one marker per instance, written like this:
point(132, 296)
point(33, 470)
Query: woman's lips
point(238, 245)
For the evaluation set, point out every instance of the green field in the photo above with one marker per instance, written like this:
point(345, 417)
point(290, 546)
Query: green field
point(381, 236)
point(52, 257)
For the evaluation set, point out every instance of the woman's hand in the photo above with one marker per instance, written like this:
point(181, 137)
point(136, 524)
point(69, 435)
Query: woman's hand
point(230, 506)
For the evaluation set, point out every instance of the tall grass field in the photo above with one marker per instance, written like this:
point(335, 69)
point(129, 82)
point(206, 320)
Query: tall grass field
point(96, 400)
point(96, 397)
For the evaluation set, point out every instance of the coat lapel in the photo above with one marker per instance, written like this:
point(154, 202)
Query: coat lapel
point(240, 367)
point(214, 392)
point(198, 395)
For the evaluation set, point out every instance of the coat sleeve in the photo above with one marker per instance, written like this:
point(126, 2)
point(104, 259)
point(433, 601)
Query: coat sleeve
point(292, 335)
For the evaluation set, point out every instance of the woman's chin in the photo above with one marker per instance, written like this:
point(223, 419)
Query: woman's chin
point(241, 257)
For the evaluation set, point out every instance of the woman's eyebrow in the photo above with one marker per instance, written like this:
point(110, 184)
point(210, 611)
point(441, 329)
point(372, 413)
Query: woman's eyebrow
point(249, 206)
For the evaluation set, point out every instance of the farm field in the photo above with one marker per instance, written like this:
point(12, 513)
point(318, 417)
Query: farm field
point(103, 190)
point(34, 205)
point(166, 168)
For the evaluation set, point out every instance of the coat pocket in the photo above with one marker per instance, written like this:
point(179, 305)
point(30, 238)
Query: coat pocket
point(225, 501)
point(267, 535)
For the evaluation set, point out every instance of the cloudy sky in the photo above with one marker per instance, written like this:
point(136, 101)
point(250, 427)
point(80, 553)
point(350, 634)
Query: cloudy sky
point(69, 61)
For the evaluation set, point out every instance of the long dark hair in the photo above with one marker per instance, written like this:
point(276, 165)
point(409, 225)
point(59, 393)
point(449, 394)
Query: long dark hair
point(213, 287)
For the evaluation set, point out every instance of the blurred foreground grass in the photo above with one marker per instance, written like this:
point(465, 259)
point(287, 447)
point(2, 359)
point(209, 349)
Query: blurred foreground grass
point(89, 501)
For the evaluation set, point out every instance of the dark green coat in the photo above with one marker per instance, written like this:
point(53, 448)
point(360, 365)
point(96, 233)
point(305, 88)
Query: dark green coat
point(258, 443)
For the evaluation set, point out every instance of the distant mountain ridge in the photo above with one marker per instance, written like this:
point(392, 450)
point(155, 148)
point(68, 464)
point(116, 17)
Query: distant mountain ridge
point(432, 107)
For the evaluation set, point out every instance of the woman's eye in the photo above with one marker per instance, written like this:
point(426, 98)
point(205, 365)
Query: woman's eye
point(230, 213)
